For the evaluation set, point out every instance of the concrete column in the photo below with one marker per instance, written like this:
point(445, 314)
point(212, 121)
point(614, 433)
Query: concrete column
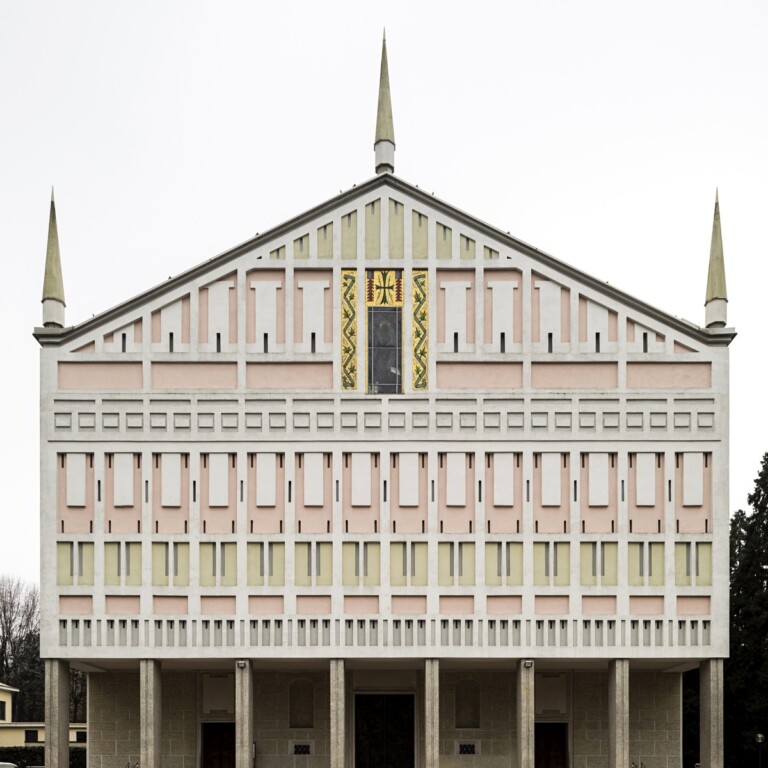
point(432, 713)
point(243, 714)
point(618, 713)
point(711, 713)
point(56, 713)
point(526, 714)
point(338, 713)
point(150, 713)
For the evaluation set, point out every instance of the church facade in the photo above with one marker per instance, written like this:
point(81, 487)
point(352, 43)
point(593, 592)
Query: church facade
point(384, 486)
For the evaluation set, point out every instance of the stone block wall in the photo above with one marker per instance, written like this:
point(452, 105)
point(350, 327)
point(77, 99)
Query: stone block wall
point(590, 719)
point(179, 731)
point(496, 735)
point(655, 700)
point(113, 719)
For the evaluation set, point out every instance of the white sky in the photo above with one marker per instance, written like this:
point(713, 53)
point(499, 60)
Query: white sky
point(596, 131)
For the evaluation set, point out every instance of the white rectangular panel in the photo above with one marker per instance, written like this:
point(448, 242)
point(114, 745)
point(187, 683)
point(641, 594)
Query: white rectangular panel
point(313, 311)
point(313, 480)
point(361, 479)
point(170, 322)
point(550, 479)
point(75, 479)
point(503, 293)
point(218, 480)
point(598, 479)
point(266, 480)
point(550, 310)
point(456, 480)
point(266, 309)
point(503, 479)
point(218, 311)
point(170, 468)
point(597, 321)
point(123, 479)
point(645, 480)
point(455, 311)
point(409, 479)
point(693, 479)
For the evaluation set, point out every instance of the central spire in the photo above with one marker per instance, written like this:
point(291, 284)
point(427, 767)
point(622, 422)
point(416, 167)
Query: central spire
point(53, 282)
point(716, 303)
point(384, 144)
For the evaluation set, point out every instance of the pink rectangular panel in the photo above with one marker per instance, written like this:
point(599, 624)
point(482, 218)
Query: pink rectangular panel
point(265, 604)
point(669, 375)
point(694, 606)
point(169, 604)
point(313, 604)
point(552, 604)
point(94, 376)
point(409, 604)
point(185, 376)
point(123, 604)
point(217, 606)
point(646, 606)
point(479, 375)
point(602, 605)
point(76, 604)
point(505, 604)
point(458, 604)
point(574, 375)
point(289, 375)
point(361, 604)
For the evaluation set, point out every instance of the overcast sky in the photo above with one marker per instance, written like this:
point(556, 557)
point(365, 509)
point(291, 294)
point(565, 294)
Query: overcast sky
point(596, 131)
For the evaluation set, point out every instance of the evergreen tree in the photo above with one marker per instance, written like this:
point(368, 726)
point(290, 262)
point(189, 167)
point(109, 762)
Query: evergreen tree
point(746, 672)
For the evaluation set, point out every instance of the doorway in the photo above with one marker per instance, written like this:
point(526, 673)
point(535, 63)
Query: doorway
point(218, 745)
point(551, 745)
point(384, 730)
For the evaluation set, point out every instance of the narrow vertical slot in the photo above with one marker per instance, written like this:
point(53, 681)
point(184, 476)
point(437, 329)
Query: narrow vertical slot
point(266, 343)
point(123, 342)
point(645, 342)
point(218, 342)
point(312, 342)
point(455, 342)
point(597, 342)
point(170, 342)
point(549, 342)
point(502, 342)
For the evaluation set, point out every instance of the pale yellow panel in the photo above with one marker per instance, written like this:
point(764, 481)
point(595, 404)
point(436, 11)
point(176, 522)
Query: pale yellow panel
point(349, 566)
point(112, 564)
point(64, 557)
point(301, 247)
point(656, 567)
point(540, 571)
point(276, 565)
point(86, 564)
point(396, 229)
point(419, 236)
point(444, 242)
point(466, 564)
point(397, 576)
point(466, 247)
point(563, 562)
point(181, 566)
point(302, 575)
point(159, 564)
point(588, 560)
point(634, 559)
point(610, 570)
point(229, 564)
point(445, 564)
point(489, 253)
point(349, 236)
point(133, 563)
point(682, 565)
point(255, 564)
point(373, 230)
point(325, 241)
point(278, 254)
point(514, 564)
point(372, 572)
point(325, 564)
point(419, 565)
point(207, 560)
point(492, 564)
point(704, 565)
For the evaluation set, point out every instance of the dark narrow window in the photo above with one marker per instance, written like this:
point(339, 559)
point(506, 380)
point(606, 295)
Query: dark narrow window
point(597, 342)
point(549, 342)
point(170, 342)
point(455, 342)
point(645, 342)
point(124, 346)
point(313, 342)
point(385, 332)
point(218, 342)
point(503, 342)
point(266, 342)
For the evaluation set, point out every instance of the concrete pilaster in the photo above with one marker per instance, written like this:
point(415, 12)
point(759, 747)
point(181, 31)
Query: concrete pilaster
point(432, 713)
point(56, 713)
point(150, 713)
point(338, 713)
point(243, 714)
point(526, 715)
point(711, 713)
point(618, 713)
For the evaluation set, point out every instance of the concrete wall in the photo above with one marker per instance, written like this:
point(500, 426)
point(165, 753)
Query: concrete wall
point(113, 719)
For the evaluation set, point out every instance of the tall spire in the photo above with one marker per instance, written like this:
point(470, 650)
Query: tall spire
point(384, 144)
point(53, 282)
point(716, 303)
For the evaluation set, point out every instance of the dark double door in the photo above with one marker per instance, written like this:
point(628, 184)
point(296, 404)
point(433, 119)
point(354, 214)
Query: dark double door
point(551, 745)
point(384, 730)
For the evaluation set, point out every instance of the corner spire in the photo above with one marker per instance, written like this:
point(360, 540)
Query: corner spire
point(53, 282)
point(384, 144)
point(716, 303)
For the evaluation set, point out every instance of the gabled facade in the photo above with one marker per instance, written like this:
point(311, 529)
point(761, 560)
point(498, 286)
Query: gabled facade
point(385, 480)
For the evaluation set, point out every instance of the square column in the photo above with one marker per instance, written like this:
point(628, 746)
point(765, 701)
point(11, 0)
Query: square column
point(150, 713)
point(338, 713)
point(243, 714)
point(711, 713)
point(432, 712)
point(525, 714)
point(618, 713)
point(56, 713)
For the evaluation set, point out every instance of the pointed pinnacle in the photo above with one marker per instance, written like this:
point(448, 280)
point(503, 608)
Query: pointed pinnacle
point(716, 288)
point(385, 129)
point(53, 282)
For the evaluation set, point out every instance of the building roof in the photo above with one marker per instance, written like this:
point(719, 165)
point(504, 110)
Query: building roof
point(11, 689)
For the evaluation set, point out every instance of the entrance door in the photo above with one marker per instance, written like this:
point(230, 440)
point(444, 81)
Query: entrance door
point(384, 730)
point(218, 745)
point(551, 745)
